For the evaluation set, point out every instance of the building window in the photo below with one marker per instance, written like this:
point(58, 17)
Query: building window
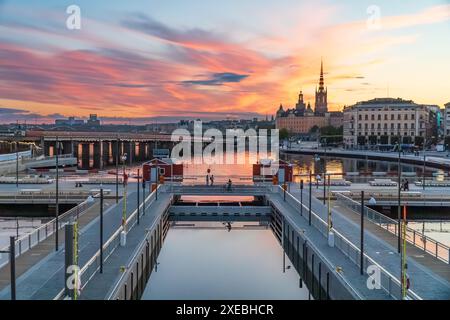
point(366, 117)
point(385, 117)
point(360, 117)
point(373, 117)
point(406, 126)
point(406, 117)
point(379, 117)
point(412, 116)
point(392, 117)
point(399, 117)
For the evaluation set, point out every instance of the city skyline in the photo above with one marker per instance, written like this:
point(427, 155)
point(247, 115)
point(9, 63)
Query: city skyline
point(215, 61)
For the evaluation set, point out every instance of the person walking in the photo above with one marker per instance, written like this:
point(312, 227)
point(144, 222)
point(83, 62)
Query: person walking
point(207, 179)
point(212, 180)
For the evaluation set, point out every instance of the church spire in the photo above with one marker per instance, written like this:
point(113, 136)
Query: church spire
point(321, 82)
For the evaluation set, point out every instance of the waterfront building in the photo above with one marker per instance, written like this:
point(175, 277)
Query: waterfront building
point(302, 118)
point(383, 120)
point(446, 119)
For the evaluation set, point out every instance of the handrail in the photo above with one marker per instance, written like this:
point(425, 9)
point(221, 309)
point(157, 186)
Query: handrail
point(323, 258)
point(132, 259)
point(348, 242)
point(416, 234)
point(106, 246)
point(44, 231)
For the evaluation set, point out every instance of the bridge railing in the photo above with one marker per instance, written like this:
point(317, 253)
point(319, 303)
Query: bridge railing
point(30, 240)
point(220, 188)
point(388, 282)
point(46, 198)
point(418, 239)
point(93, 265)
point(45, 158)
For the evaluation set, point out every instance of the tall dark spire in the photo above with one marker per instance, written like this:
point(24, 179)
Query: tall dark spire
point(321, 106)
point(321, 81)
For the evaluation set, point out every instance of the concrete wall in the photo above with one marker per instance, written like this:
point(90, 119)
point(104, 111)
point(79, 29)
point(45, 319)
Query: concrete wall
point(143, 264)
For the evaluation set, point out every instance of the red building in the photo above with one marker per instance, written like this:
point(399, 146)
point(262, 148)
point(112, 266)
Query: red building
point(262, 171)
point(167, 169)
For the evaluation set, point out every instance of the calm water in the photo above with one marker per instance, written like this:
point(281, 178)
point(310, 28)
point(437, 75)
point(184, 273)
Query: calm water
point(208, 262)
point(305, 163)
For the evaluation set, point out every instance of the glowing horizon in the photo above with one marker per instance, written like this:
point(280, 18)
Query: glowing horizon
point(236, 59)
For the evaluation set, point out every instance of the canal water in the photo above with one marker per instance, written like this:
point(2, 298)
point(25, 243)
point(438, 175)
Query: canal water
point(205, 260)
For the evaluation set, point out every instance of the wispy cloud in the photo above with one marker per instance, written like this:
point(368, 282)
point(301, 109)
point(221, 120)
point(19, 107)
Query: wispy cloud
point(218, 79)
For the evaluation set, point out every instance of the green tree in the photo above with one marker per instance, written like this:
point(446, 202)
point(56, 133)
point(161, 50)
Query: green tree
point(284, 134)
point(314, 129)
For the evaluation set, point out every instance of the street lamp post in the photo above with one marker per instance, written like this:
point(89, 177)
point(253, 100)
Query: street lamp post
point(117, 170)
point(123, 234)
point(310, 197)
point(157, 178)
point(399, 173)
point(17, 164)
point(101, 230)
point(324, 186)
point(301, 197)
point(404, 264)
point(424, 160)
point(138, 194)
point(57, 195)
point(361, 262)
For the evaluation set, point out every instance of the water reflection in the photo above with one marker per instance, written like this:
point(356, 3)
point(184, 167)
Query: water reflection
point(303, 164)
point(208, 262)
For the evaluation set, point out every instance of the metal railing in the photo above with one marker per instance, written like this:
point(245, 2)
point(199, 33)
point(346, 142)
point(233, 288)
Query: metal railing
point(218, 188)
point(45, 158)
point(390, 284)
point(30, 240)
point(92, 266)
point(46, 198)
point(418, 239)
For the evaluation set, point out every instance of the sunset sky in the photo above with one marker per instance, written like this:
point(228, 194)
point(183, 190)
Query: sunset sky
point(142, 61)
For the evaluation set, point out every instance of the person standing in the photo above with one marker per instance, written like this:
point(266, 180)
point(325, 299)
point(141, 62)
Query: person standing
point(207, 179)
point(212, 180)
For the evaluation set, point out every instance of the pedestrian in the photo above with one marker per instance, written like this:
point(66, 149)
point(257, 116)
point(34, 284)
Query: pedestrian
point(318, 178)
point(212, 180)
point(406, 185)
point(229, 185)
